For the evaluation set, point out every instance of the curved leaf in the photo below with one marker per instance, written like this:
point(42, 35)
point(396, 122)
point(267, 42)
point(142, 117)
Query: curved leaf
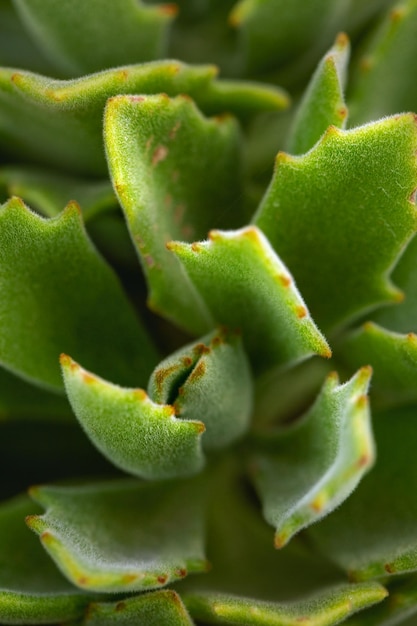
point(246, 286)
point(136, 434)
point(53, 280)
point(309, 469)
point(345, 209)
point(152, 535)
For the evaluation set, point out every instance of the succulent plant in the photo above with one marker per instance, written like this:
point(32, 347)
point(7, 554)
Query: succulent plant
point(189, 332)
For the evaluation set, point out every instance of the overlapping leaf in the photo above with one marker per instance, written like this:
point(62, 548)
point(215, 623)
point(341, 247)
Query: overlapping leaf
point(123, 535)
point(340, 216)
point(175, 173)
point(246, 286)
point(59, 295)
point(308, 470)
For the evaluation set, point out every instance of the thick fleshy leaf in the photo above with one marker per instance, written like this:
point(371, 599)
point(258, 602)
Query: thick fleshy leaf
point(149, 609)
point(323, 103)
point(329, 608)
point(59, 123)
point(65, 32)
point(196, 376)
point(32, 590)
point(48, 192)
point(53, 280)
point(245, 285)
point(381, 85)
point(306, 471)
point(136, 434)
point(124, 535)
point(345, 209)
point(393, 358)
point(175, 173)
point(363, 535)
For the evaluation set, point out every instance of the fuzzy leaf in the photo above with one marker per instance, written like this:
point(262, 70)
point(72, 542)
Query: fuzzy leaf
point(323, 103)
point(245, 285)
point(85, 313)
point(308, 470)
point(381, 86)
point(59, 123)
point(150, 609)
point(32, 590)
point(136, 434)
point(328, 608)
point(346, 210)
point(160, 152)
point(65, 32)
point(194, 377)
point(124, 535)
point(362, 535)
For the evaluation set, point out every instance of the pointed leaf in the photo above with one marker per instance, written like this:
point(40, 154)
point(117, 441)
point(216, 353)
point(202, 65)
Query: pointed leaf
point(246, 286)
point(65, 32)
point(363, 536)
point(315, 465)
point(136, 434)
point(345, 210)
point(323, 103)
point(159, 153)
point(326, 609)
point(122, 535)
point(66, 305)
point(32, 590)
point(149, 609)
point(194, 377)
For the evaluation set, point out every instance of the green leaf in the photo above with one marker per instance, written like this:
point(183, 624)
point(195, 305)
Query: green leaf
point(363, 535)
point(160, 152)
point(136, 434)
point(195, 377)
point(328, 608)
point(380, 85)
point(150, 609)
point(306, 471)
point(323, 103)
point(82, 312)
point(86, 37)
point(125, 535)
point(32, 590)
point(59, 123)
point(246, 286)
point(346, 210)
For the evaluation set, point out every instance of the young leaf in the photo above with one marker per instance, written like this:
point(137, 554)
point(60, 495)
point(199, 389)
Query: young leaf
point(82, 312)
point(160, 152)
point(308, 470)
point(245, 285)
point(122, 536)
point(346, 210)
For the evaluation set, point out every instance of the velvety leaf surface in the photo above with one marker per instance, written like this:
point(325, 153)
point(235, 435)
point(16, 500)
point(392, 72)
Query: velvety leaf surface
point(82, 312)
point(59, 123)
point(136, 434)
point(323, 103)
point(245, 285)
point(196, 376)
point(48, 192)
point(363, 535)
point(32, 590)
point(346, 210)
point(150, 609)
point(328, 608)
point(381, 84)
point(124, 535)
point(306, 471)
point(175, 173)
point(65, 32)
point(398, 608)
